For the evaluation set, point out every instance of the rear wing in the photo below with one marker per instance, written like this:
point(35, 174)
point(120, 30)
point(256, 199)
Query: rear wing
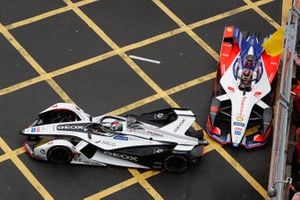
point(185, 119)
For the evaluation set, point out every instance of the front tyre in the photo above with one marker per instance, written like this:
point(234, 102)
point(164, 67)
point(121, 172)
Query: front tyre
point(175, 164)
point(59, 155)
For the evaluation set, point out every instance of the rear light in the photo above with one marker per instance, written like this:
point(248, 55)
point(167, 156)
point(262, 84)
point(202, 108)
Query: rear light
point(258, 138)
point(216, 130)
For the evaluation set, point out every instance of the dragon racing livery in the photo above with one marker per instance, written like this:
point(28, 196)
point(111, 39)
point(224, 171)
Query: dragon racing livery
point(64, 133)
point(241, 104)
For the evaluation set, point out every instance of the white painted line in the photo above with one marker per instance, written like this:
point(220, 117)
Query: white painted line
point(144, 59)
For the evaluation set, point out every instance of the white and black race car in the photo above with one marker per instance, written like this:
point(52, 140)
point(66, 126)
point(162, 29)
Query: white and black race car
point(64, 133)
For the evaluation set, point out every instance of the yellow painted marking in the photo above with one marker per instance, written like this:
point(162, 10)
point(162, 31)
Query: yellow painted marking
point(120, 186)
point(21, 85)
point(125, 57)
point(187, 29)
point(134, 105)
point(242, 171)
point(227, 14)
point(262, 14)
point(196, 126)
point(144, 183)
point(208, 148)
point(252, 130)
point(107, 55)
point(286, 6)
point(191, 83)
point(24, 170)
point(18, 151)
point(47, 14)
point(4, 157)
point(34, 64)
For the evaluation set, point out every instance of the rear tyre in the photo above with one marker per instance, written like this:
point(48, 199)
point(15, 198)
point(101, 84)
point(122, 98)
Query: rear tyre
point(175, 164)
point(59, 155)
point(196, 134)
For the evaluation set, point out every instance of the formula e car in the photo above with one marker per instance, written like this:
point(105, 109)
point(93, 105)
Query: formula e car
point(241, 104)
point(64, 133)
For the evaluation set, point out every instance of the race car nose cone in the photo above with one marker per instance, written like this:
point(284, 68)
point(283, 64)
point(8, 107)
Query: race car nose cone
point(235, 144)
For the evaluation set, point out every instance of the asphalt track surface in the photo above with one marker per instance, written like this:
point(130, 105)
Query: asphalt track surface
point(63, 51)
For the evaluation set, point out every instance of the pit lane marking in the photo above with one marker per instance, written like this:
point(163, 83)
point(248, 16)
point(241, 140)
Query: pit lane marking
point(122, 185)
point(34, 64)
point(24, 170)
point(149, 188)
point(144, 59)
point(262, 14)
point(187, 29)
point(218, 148)
point(227, 14)
point(47, 14)
point(107, 55)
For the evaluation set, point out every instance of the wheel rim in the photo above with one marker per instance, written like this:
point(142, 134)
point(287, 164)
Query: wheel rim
point(59, 155)
point(175, 163)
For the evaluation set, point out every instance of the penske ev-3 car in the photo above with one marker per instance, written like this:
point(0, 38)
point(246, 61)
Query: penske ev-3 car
point(241, 105)
point(64, 133)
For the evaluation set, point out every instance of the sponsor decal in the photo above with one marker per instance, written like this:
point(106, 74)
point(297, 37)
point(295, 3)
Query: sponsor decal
point(179, 125)
point(237, 132)
point(238, 124)
point(121, 137)
point(155, 134)
point(42, 151)
point(238, 128)
point(36, 129)
point(158, 150)
point(159, 115)
point(239, 118)
point(108, 143)
point(120, 155)
point(242, 106)
point(70, 127)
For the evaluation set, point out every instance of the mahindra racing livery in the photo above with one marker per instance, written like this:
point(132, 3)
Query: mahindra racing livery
point(241, 105)
point(64, 133)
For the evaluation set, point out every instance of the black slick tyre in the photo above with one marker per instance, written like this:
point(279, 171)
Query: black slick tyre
point(175, 164)
point(59, 155)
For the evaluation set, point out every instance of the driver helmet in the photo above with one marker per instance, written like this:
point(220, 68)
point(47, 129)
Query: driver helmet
point(116, 126)
point(249, 61)
point(246, 74)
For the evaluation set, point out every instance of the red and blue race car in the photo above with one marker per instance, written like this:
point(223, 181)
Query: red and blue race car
point(241, 105)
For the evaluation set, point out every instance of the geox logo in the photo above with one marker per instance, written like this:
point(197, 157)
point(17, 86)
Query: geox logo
point(179, 125)
point(70, 127)
point(123, 156)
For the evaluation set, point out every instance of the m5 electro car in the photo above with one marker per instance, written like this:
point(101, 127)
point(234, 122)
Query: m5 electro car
point(64, 133)
point(241, 105)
